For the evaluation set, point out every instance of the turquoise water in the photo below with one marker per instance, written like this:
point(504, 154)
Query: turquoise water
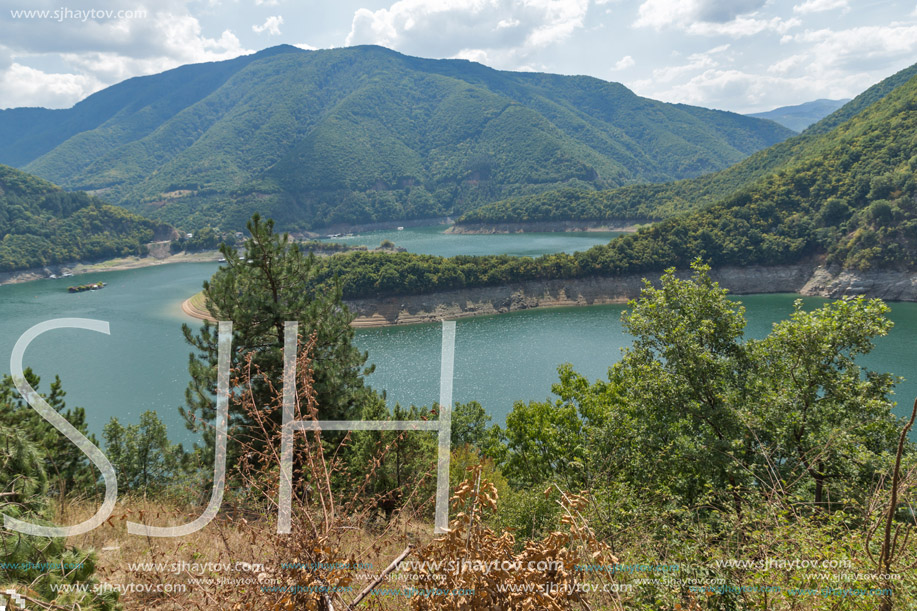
point(141, 365)
point(432, 241)
point(499, 359)
point(510, 357)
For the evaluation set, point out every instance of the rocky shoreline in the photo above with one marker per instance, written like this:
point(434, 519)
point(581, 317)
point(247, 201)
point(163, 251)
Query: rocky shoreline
point(432, 307)
point(807, 278)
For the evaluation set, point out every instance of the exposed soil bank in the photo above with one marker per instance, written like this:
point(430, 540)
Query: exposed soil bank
point(805, 278)
point(37, 273)
point(433, 307)
point(548, 227)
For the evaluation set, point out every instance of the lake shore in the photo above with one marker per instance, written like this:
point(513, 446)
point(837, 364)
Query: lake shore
point(806, 279)
point(548, 227)
point(109, 265)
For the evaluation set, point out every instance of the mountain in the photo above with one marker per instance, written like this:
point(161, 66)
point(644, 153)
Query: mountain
point(661, 201)
point(362, 134)
point(801, 116)
point(853, 202)
point(850, 201)
point(40, 224)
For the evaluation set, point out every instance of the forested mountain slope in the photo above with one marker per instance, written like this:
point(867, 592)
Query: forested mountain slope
point(854, 203)
point(362, 134)
point(40, 224)
point(659, 201)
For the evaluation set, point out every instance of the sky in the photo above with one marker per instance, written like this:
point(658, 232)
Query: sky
point(739, 55)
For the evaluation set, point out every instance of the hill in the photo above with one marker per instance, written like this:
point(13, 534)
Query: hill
point(661, 201)
point(851, 202)
point(40, 224)
point(801, 116)
point(362, 134)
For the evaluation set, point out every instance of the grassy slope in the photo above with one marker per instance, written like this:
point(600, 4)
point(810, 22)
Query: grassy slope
point(40, 225)
point(659, 201)
point(363, 134)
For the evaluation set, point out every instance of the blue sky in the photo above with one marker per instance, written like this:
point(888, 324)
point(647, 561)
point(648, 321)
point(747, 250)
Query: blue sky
point(740, 55)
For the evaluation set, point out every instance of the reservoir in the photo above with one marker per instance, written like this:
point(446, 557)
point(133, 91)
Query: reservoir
point(432, 241)
point(142, 364)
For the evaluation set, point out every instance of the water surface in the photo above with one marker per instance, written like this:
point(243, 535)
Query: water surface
point(499, 359)
point(433, 241)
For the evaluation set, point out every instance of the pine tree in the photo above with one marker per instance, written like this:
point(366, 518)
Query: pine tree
point(67, 466)
point(269, 283)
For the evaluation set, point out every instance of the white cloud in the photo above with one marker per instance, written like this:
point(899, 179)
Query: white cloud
point(696, 62)
point(661, 13)
point(267, 2)
point(474, 55)
point(735, 19)
point(624, 63)
point(94, 53)
point(505, 32)
point(749, 92)
point(743, 26)
point(24, 86)
point(788, 64)
point(819, 6)
point(271, 25)
point(826, 64)
point(861, 49)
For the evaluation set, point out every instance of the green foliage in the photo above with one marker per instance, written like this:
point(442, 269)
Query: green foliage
point(811, 389)
point(661, 201)
point(470, 426)
point(851, 199)
point(203, 239)
point(554, 441)
point(258, 291)
point(42, 225)
point(362, 134)
point(696, 416)
point(395, 465)
point(68, 470)
point(144, 458)
point(29, 447)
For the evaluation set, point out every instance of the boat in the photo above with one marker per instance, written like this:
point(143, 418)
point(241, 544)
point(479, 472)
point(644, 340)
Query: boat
point(401, 229)
point(95, 286)
point(66, 275)
point(53, 277)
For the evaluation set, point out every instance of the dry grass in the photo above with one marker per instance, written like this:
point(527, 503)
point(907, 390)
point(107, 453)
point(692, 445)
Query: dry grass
point(223, 543)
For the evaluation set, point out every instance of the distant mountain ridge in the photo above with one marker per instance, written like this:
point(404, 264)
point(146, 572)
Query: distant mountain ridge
point(840, 197)
point(801, 116)
point(361, 134)
point(666, 200)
